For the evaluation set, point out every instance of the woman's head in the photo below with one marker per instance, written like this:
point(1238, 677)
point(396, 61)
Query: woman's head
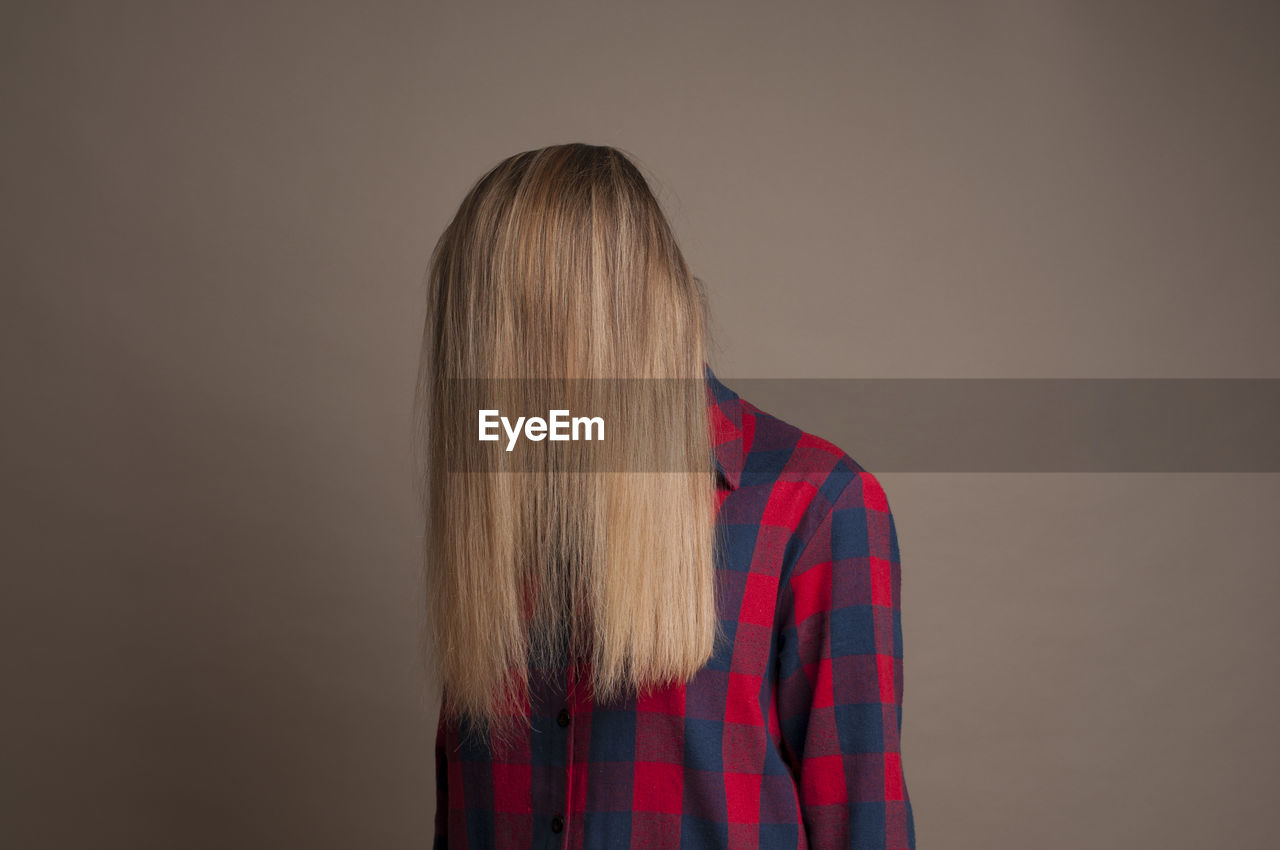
point(560, 264)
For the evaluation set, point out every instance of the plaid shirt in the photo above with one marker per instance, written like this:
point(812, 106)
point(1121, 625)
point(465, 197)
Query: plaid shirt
point(788, 737)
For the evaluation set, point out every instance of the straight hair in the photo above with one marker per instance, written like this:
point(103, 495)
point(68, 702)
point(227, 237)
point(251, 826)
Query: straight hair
point(560, 266)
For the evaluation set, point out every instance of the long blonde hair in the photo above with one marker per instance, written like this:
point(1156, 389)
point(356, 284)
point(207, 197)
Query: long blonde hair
point(560, 265)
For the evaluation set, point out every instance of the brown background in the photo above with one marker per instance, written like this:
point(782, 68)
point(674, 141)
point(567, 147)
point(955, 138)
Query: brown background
point(216, 220)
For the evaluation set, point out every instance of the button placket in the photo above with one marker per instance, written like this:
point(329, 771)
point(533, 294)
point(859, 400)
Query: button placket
point(557, 822)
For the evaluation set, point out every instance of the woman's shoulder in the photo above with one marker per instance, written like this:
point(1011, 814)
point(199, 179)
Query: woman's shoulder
point(772, 445)
point(805, 477)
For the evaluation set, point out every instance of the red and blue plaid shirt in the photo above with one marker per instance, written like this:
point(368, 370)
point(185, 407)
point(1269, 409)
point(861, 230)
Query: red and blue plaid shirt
point(788, 737)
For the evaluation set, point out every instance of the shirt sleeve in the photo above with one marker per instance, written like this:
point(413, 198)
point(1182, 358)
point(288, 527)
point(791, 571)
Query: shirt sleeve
point(441, 841)
point(839, 685)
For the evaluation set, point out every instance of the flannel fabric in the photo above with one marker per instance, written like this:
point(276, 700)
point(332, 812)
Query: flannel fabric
point(789, 737)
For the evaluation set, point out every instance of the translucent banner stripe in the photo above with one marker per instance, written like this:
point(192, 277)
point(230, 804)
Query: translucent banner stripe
point(934, 424)
point(1037, 424)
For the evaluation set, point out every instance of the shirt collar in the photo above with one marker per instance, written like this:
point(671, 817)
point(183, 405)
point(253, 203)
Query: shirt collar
point(725, 411)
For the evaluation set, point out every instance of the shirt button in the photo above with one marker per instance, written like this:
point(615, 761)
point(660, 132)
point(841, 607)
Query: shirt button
point(563, 718)
point(557, 823)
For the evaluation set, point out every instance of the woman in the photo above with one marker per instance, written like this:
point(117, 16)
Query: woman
point(686, 636)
